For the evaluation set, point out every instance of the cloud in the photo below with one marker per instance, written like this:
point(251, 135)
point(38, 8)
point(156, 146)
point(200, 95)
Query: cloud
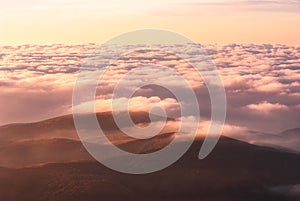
point(266, 107)
point(225, 7)
point(261, 81)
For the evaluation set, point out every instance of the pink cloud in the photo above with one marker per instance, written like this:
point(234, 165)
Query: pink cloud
point(266, 108)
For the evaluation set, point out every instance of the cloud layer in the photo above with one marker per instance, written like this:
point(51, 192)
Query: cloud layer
point(262, 82)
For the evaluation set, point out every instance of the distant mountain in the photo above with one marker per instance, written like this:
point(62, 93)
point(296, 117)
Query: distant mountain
point(30, 143)
point(288, 140)
point(56, 140)
point(59, 127)
point(291, 138)
point(295, 132)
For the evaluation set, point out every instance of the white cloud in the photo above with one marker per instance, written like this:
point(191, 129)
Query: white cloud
point(266, 107)
point(259, 80)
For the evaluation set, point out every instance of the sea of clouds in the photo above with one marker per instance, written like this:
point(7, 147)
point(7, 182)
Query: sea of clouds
point(262, 82)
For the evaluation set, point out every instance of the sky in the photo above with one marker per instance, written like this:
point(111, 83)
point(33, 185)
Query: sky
point(43, 44)
point(204, 21)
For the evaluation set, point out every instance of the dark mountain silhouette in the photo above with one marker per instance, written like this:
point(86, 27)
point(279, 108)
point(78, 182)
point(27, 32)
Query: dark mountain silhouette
point(60, 169)
point(56, 140)
point(234, 171)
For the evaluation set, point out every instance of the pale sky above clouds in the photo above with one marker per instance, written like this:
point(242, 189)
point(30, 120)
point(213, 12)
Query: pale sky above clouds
point(204, 21)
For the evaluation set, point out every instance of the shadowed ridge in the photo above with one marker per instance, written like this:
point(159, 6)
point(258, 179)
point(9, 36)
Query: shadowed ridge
point(234, 169)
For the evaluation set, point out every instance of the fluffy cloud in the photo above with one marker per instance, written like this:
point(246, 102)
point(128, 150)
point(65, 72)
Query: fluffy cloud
point(262, 82)
point(266, 107)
